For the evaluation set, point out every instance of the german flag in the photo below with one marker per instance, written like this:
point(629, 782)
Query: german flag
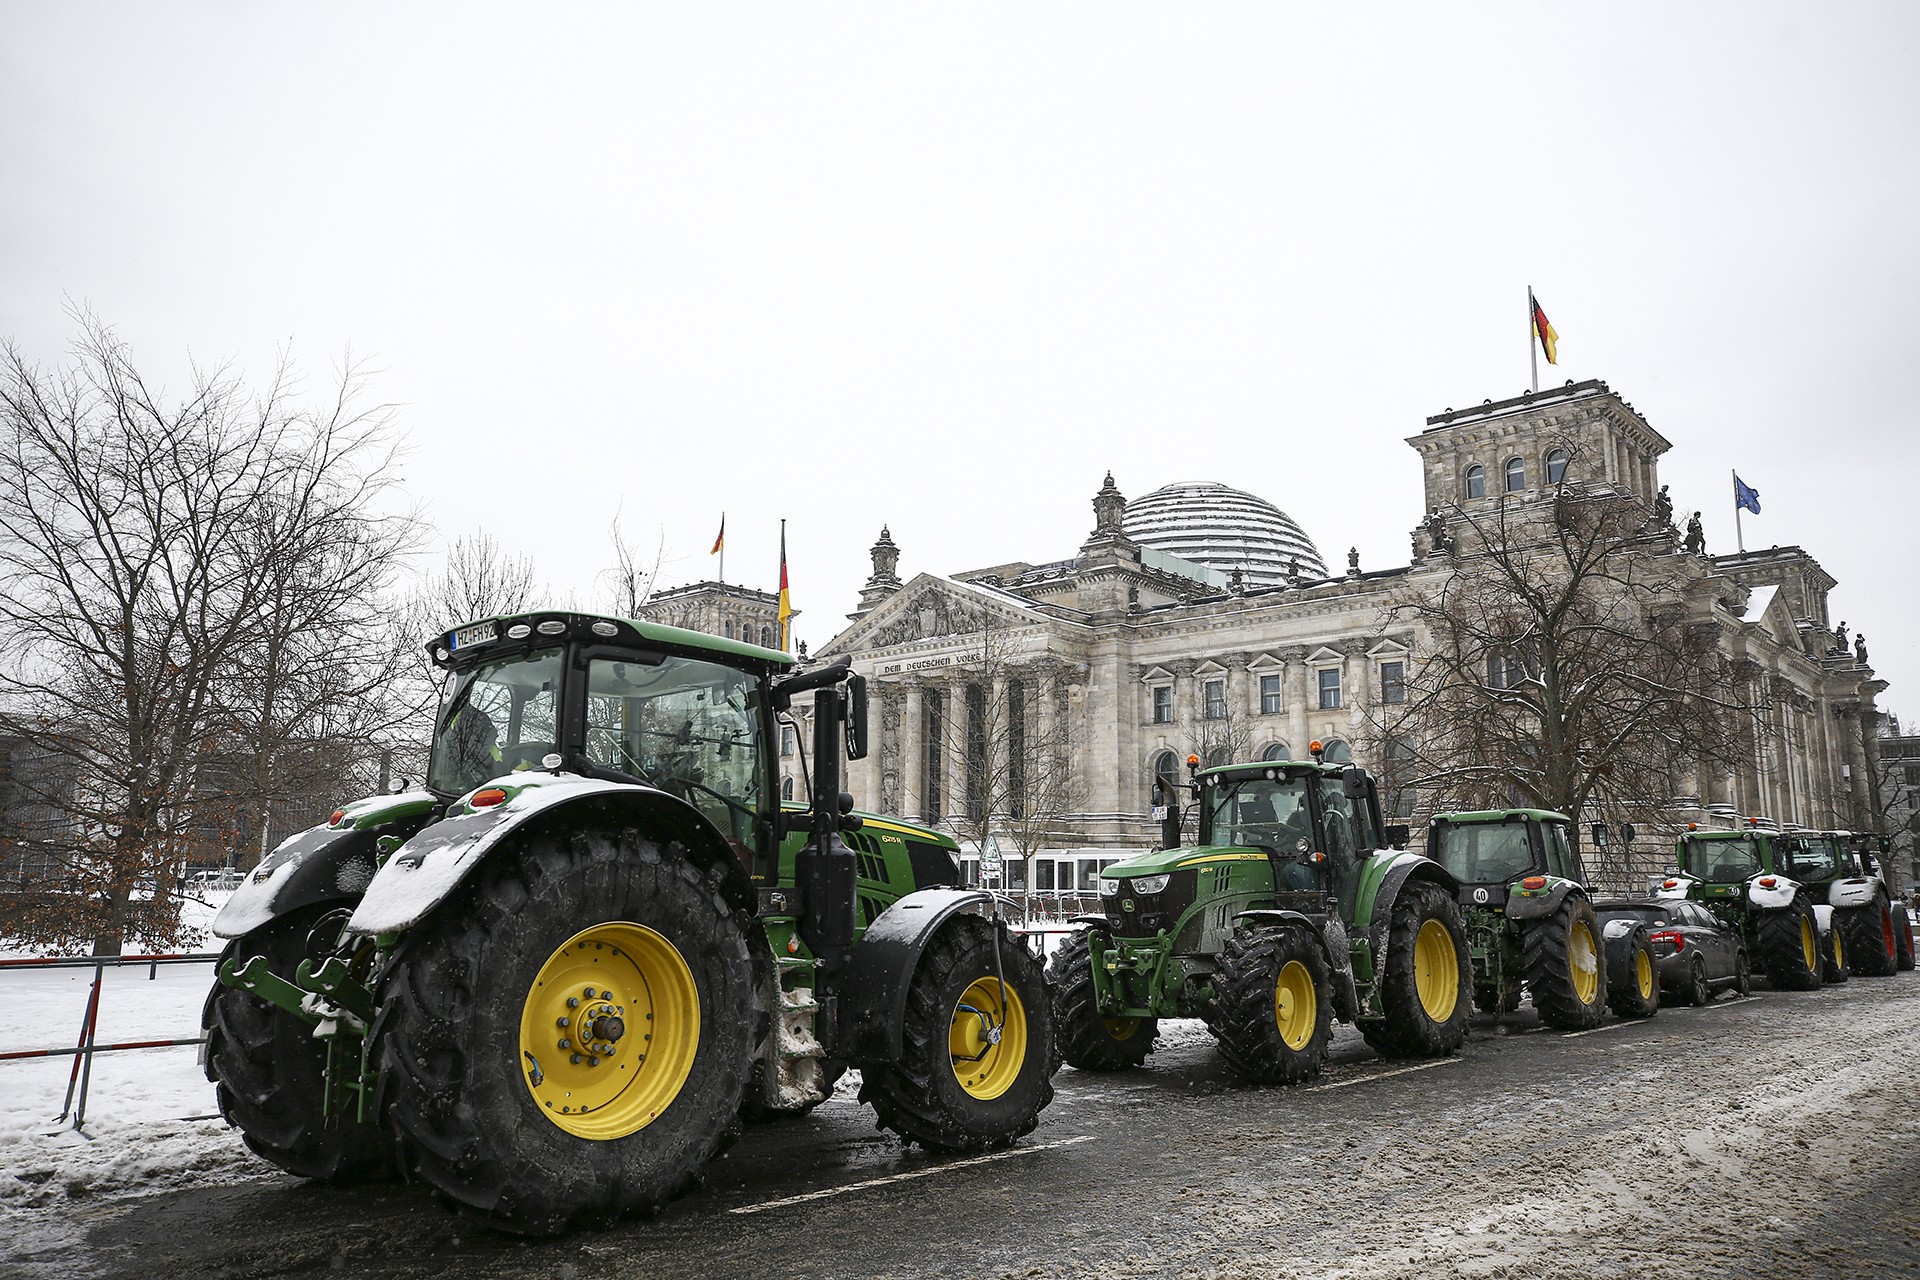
point(1543, 329)
point(720, 542)
point(786, 601)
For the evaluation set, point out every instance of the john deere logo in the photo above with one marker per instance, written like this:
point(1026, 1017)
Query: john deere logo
point(1126, 904)
point(1479, 895)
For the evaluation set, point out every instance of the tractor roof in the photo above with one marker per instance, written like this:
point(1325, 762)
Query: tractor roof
point(1501, 815)
point(1256, 767)
point(559, 624)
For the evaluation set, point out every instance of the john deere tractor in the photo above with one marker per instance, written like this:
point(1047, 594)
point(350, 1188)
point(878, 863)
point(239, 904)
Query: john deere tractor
point(550, 981)
point(1851, 901)
point(1530, 921)
point(1289, 911)
point(1742, 877)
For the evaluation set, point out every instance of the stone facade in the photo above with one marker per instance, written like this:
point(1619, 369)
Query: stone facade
point(719, 609)
point(1156, 658)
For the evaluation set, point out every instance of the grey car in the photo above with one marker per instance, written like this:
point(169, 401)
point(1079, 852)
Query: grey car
point(1696, 954)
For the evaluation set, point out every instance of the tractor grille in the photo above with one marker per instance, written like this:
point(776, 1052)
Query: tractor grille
point(1140, 915)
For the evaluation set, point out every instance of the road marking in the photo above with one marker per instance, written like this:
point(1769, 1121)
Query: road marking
point(1728, 1004)
point(912, 1173)
point(1381, 1075)
point(1610, 1026)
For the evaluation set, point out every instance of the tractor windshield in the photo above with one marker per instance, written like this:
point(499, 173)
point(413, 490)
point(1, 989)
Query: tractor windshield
point(686, 726)
point(1723, 861)
point(1484, 852)
point(494, 718)
point(1258, 812)
point(1811, 859)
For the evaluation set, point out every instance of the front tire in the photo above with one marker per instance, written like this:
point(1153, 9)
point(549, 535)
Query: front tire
point(1699, 991)
point(1563, 966)
point(1834, 959)
point(1274, 1008)
point(955, 1088)
point(1790, 947)
point(1088, 1040)
point(534, 1137)
point(1424, 990)
point(1633, 978)
point(268, 1070)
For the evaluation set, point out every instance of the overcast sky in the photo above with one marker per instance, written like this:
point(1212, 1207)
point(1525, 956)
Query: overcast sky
point(944, 267)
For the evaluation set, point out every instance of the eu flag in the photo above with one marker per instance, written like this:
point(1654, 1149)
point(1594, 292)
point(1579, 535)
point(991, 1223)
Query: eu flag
point(1743, 496)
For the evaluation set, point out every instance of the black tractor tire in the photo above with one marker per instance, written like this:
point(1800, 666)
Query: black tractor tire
point(1490, 999)
point(1782, 949)
point(1872, 949)
point(1836, 957)
point(1088, 1040)
point(922, 1096)
point(268, 1070)
point(1273, 1005)
point(1903, 938)
point(1412, 1028)
point(452, 1079)
point(1699, 991)
point(1742, 974)
point(1633, 977)
point(1557, 949)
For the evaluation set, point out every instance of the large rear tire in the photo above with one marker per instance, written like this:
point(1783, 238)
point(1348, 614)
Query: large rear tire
point(1872, 949)
point(1088, 1040)
point(1563, 963)
point(1273, 1009)
point(533, 1125)
point(1633, 977)
point(957, 1088)
point(1790, 947)
point(268, 1070)
point(1424, 990)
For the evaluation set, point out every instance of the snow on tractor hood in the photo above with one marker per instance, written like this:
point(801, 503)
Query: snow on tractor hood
point(426, 868)
point(258, 899)
point(1855, 892)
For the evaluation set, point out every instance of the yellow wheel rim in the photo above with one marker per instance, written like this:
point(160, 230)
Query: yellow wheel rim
point(1643, 973)
point(1583, 963)
point(1839, 952)
point(1436, 971)
point(1296, 1008)
point(631, 1029)
point(1808, 947)
point(986, 1066)
point(1121, 1028)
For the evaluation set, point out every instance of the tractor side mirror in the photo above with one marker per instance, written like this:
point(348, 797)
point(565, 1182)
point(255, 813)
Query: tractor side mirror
point(1626, 833)
point(1353, 784)
point(1599, 835)
point(856, 717)
point(1166, 808)
point(1398, 833)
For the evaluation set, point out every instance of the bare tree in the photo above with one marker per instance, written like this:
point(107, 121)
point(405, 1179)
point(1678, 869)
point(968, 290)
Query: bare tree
point(168, 579)
point(481, 580)
point(1559, 671)
point(631, 580)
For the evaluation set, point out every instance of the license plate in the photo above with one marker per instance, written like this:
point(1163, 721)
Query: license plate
point(467, 637)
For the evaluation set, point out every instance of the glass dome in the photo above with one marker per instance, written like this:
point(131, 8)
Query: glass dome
point(1224, 529)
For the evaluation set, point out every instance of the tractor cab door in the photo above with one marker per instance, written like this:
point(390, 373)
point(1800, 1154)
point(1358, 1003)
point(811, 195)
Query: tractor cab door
point(1562, 861)
point(1348, 832)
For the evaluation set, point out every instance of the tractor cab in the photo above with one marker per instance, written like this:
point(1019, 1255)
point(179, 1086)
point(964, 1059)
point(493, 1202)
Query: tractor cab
point(1719, 866)
point(1501, 854)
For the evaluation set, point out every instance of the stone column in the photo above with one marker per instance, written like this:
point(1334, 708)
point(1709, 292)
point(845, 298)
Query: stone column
point(1295, 688)
point(912, 750)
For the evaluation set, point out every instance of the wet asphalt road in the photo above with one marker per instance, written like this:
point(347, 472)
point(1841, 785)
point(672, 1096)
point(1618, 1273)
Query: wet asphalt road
point(1772, 1136)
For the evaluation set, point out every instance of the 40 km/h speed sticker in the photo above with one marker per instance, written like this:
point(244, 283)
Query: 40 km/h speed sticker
point(1479, 895)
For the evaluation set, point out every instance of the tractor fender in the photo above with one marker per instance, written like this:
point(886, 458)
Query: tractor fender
point(1772, 898)
point(1681, 887)
point(1410, 866)
point(1333, 947)
point(427, 868)
point(1823, 918)
point(1856, 892)
point(1540, 906)
point(873, 995)
point(333, 862)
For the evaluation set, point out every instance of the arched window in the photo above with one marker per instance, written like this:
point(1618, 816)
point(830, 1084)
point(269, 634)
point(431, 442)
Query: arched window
point(1275, 751)
point(1217, 756)
point(786, 787)
point(1516, 474)
point(1476, 481)
point(1556, 466)
point(1166, 770)
point(1337, 752)
point(729, 628)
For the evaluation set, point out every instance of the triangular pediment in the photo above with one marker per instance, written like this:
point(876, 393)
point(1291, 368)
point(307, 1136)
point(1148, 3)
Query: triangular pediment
point(1156, 675)
point(1324, 654)
point(1388, 649)
point(930, 608)
point(1209, 668)
point(1266, 662)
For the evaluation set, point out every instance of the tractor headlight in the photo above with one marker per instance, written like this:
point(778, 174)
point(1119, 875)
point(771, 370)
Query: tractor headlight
point(1146, 886)
point(1108, 887)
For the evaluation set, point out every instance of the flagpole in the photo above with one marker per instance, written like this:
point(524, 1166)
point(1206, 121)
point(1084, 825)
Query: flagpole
point(1533, 345)
point(1739, 538)
point(723, 548)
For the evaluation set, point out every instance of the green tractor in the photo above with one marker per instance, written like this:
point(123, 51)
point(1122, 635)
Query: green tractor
point(1851, 902)
point(552, 981)
point(1742, 877)
point(1531, 922)
point(1291, 909)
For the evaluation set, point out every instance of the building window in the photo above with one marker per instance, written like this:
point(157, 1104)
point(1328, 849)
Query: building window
point(1516, 475)
point(1330, 689)
point(729, 628)
point(1215, 705)
point(1393, 682)
point(1398, 797)
point(1270, 696)
point(1556, 466)
point(1163, 704)
point(1275, 751)
point(786, 739)
point(786, 787)
point(1476, 481)
point(1337, 752)
point(1496, 671)
point(766, 637)
point(1217, 756)
point(1166, 772)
